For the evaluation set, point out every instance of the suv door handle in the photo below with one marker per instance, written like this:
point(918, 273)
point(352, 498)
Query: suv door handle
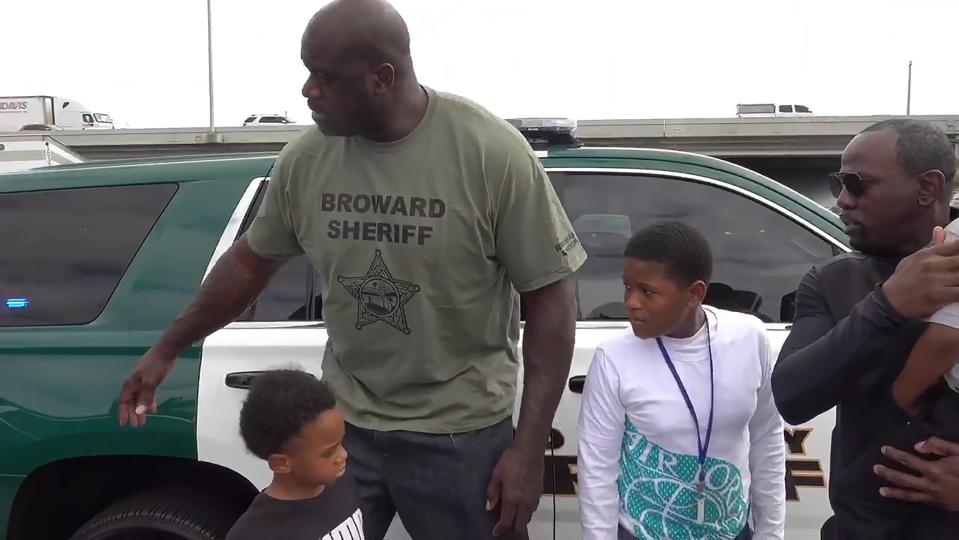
point(242, 380)
point(577, 383)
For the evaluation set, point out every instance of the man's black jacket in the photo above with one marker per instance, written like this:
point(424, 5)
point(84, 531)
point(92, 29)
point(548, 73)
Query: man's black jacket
point(846, 347)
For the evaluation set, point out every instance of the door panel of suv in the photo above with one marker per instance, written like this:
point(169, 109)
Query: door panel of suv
point(760, 256)
point(278, 330)
point(283, 328)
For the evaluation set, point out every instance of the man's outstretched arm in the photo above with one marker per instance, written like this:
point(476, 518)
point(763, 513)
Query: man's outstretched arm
point(233, 284)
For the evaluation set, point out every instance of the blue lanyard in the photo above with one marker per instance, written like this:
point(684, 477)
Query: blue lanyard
point(703, 448)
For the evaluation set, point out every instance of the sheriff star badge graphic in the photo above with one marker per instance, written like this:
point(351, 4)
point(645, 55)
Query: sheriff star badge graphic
point(380, 297)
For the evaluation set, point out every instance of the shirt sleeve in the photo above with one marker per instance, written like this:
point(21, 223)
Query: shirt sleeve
point(535, 241)
point(601, 427)
point(817, 356)
point(272, 234)
point(952, 231)
point(949, 315)
point(767, 457)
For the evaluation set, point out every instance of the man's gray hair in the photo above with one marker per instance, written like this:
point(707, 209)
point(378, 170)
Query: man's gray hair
point(921, 146)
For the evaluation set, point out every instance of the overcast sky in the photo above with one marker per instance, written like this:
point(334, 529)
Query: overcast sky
point(145, 61)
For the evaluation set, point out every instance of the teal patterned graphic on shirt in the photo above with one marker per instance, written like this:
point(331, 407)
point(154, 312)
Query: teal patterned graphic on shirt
point(657, 491)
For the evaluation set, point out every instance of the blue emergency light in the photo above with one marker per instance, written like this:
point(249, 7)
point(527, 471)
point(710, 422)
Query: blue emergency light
point(17, 303)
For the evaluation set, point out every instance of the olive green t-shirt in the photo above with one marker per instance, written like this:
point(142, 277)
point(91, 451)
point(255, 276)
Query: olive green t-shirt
point(421, 246)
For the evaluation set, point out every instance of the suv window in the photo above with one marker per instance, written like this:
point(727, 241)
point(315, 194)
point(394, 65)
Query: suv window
point(285, 297)
point(759, 255)
point(71, 248)
point(785, 108)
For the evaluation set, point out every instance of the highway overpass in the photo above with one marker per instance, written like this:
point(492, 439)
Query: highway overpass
point(796, 151)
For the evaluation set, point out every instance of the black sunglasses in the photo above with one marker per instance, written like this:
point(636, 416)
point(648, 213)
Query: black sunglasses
point(854, 183)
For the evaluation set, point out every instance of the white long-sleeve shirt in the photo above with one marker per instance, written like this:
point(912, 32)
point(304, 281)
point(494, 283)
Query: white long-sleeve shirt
point(638, 451)
point(949, 315)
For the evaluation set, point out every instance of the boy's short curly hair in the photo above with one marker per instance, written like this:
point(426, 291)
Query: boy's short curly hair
point(279, 405)
point(682, 249)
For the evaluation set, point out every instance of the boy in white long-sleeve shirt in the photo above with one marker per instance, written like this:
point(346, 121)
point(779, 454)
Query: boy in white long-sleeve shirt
point(679, 436)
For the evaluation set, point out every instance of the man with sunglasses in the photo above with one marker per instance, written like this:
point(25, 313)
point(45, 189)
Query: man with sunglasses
point(859, 315)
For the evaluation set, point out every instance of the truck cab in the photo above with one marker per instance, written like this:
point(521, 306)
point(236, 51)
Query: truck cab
point(55, 111)
point(746, 110)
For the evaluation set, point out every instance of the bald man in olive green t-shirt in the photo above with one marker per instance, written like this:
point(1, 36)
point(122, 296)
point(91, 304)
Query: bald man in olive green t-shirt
point(428, 219)
point(419, 245)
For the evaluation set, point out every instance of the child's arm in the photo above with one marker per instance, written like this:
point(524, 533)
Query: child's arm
point(602, 422)
point(933, 355)
point(767, 456)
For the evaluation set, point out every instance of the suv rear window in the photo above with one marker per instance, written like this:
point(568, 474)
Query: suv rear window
point(285, 297)
point(63, 252)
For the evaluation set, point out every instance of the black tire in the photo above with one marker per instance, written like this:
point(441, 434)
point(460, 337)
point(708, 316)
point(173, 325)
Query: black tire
point(162, 514)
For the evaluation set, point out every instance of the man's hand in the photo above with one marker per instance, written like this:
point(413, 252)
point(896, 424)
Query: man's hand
point(138, 394)
point(235, 281)
point(937, 483)
point(516, 485)
point(517, 481)
point(927, 280)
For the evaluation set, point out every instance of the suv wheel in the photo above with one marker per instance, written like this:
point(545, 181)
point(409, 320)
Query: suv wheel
point(163, 514)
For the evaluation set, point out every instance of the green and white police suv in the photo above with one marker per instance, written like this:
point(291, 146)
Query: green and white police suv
point(96, 259)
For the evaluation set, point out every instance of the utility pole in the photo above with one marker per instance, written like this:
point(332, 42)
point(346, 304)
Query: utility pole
point(209, 45)
point(909, 91)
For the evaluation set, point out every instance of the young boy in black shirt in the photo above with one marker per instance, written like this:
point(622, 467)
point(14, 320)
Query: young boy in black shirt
point(290, 420)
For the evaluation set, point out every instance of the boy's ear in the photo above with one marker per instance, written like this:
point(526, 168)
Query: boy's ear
point(696, 293)
point(279, 463)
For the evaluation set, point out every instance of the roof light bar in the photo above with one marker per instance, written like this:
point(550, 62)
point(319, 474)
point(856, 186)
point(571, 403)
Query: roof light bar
point(545, 132)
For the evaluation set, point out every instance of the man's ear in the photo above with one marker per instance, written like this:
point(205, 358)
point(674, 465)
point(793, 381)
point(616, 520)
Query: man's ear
point(384, 77)
point(696, 293)
point(931, 186)
point(279, 463)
